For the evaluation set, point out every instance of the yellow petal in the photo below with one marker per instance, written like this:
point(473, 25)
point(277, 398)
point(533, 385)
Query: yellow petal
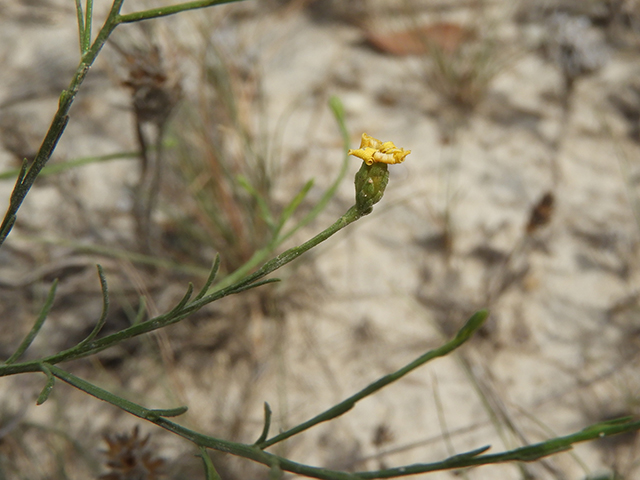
point(369, 141)
point(373, 150)
point(396, 156)
point(365, 154)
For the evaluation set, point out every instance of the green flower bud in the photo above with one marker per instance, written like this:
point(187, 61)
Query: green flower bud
point(371, 180)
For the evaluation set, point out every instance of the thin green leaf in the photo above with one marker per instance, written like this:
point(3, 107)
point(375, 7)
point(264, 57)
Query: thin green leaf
point(212, 276)
point(167, 412)
point(472, 453)
point(254, 285)
point(209, 469)
point(46, 391)
point(105, 308)
point(80, 17)
point(474, 323)
point(182, 302)
point(267, 424)
point(275, 472)
point(44, 312)
point(22, 172)
point(86, 38)
point(15, 199)
point(104, 395)
point(170, 10)
point(59, 121)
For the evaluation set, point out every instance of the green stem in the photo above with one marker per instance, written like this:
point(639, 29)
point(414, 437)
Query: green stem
point(61, 117)
point(58, 123)
point(468, 459)
point(86, 41)
point(170, 10)
point(80, 18)
point(95, 346)
point(260, 255)
point(349, 217)
point(473, 324)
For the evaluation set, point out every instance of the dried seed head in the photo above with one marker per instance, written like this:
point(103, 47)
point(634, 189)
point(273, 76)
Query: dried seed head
point(131, 458)
point(541, 213)
point(155, 91)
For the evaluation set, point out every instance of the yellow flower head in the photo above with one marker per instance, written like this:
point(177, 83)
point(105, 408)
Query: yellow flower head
point(373, 151)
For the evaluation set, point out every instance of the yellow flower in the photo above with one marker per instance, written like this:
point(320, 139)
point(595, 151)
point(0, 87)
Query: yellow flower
point(373, 151)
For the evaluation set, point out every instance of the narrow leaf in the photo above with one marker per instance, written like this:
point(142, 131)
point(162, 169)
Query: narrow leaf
point(44, 312)
point(212, 276)
point(471, 453)
point(267, 424)
point(167, 412)
point(340, 408)
point(80, 17)
point(46, 391)
point(86, 39)
point(209, 469)
point(182, 302)
point(254, 285)
point(275, 472)
point(105, 308)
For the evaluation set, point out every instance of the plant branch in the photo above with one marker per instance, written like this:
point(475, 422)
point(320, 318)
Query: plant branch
point(260, 255)
point(473, 324)
point(184, 309)
point(467, 459)
point(58, 123)
point(170, 10)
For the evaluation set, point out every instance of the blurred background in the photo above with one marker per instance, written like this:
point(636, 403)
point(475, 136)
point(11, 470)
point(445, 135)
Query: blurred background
point(192, 135)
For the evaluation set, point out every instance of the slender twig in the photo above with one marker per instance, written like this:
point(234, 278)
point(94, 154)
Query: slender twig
point(105, 308)
point(95, 346)
point(170, 10)
point(80, 17)
point(267, 424)
point(468, 459)
point(209, 469)
point(472, 325)
point(212, 276)
point(46, 391)
point(58, 123)
point(262, 254)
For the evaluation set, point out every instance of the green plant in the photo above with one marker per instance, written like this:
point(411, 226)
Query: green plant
point(370, 181)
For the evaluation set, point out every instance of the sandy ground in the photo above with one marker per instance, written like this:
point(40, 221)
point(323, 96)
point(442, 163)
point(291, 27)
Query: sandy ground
point(560, 350)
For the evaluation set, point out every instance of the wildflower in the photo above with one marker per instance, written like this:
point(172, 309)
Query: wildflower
point(373, 151)
point(372, 178)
